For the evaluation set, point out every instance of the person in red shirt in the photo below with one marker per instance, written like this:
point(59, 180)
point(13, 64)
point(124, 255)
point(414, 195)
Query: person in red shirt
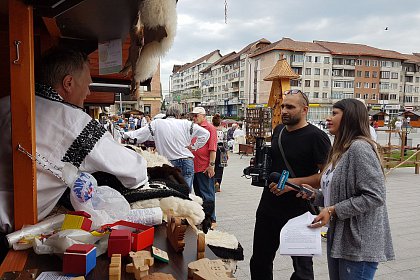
point(204, 161)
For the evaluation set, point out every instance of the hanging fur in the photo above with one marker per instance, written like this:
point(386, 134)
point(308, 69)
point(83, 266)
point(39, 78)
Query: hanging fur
point(159, 19)
point(136, 45)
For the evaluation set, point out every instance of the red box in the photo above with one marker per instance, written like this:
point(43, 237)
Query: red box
point(119, 242)
point(141, 236)
point(79, 259)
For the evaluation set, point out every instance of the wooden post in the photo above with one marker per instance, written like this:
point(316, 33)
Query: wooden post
point(21, 44)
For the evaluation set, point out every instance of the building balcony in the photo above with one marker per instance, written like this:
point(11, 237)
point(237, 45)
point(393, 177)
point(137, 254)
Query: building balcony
point(409, 73)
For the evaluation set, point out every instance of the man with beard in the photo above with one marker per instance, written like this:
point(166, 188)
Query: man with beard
point(306, 148)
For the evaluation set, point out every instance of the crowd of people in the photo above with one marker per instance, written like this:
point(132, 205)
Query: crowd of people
point(347, 178)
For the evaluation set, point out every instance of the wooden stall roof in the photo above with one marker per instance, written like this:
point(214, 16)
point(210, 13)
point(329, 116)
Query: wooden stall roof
point(100, 99)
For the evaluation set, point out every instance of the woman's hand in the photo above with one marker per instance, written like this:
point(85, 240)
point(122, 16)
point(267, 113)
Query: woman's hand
point(304, 195)
point(323, 218)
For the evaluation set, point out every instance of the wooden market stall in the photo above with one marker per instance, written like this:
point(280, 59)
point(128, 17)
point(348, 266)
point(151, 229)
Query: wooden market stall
point(29, 27)
point(378, 116)
point(414, 117)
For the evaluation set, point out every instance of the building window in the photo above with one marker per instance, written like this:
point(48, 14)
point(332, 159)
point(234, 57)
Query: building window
point(325, 84)
point(336, 73)
point(394, 75)
point(374, 85)
point(393, 97)
point(307, 83)
point(307, 71)
point(338, 84)
point(316, 94)
point(375, 74)
point(359, 62)
point(326, 60)
point(374, 96)
point(242, 83)
point(348, 84)
point(384, 85)
point(357, 95)
point(317, 59)
point(367, 74)
point(296, 58)
point(348, 73)
point(326, 72)
point(349, 62)
point(385, 74)
point(308, 58)
point(316, 83)
point(325, 95)
point(359, 74)
point(297, 70)
point(366, 85)
point(317, 71)
point(367, 62)
point(375, 63)
point(365, 96)
point(358, 85)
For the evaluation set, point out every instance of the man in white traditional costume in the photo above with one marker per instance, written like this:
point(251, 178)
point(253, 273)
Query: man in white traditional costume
point(172, 137)
point(64, 134)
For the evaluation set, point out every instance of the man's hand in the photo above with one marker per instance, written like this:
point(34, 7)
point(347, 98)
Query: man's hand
point(190, 147)
point(209, 171)
point(276, 191)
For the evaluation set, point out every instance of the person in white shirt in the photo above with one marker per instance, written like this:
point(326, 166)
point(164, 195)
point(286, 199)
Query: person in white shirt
point(172, 137)
point(65, 134)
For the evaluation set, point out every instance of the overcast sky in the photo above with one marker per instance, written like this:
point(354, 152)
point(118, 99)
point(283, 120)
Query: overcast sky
point(202, 28)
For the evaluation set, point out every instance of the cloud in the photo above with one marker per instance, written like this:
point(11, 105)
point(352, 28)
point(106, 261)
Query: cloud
point(202, 28)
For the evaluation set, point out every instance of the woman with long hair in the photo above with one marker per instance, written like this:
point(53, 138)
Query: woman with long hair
point(353, 196)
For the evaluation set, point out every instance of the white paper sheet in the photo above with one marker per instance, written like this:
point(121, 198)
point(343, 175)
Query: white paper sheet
point(297, 239)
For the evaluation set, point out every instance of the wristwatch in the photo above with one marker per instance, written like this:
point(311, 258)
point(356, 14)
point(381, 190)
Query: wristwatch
point(212, 163)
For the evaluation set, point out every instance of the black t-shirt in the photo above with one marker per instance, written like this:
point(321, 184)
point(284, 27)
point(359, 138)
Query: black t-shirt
point(305, 149)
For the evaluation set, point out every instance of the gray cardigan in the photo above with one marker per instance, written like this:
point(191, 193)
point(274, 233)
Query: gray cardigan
point(361, 229)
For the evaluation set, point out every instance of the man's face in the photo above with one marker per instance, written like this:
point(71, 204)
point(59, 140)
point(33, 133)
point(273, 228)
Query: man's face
point(198, 118)
point(78, 88)
point(293, 109)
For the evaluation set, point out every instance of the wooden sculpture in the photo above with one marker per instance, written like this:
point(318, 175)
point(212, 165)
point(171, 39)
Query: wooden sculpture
point(206, 269)
point(115, 267)
point(158, 276)
point(175, 232)
point(201, 245)
point(280, 75)
point(142, 260)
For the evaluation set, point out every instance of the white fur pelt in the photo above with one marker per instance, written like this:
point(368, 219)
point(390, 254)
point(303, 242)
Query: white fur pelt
point(153, 158)
point(154, 13)
point(221, 239)
point(191, 210)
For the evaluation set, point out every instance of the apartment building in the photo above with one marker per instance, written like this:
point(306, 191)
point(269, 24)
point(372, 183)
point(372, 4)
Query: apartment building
point(185, 81)
point(309, 60)
point(328, 71)
point(224, 88)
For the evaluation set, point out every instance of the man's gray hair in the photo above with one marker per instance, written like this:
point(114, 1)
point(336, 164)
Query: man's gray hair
point(58, 62)
point(174, 110)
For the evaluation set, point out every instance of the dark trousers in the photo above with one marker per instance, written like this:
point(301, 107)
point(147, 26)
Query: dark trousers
point(267, 241)
point(4, 247)
point(204, 188)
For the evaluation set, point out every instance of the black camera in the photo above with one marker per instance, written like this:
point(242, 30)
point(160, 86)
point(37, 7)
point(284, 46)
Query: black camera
point(260, 165)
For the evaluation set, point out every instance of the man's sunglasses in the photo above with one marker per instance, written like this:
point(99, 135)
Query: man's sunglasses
point(297, 91)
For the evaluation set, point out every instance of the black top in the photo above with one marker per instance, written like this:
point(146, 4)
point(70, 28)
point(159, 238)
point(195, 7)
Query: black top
point(305, 149)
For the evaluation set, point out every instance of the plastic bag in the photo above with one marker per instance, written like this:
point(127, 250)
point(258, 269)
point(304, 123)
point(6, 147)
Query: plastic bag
point(104, 204)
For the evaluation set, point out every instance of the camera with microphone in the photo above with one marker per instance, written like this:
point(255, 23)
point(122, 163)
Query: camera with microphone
point(260, 165)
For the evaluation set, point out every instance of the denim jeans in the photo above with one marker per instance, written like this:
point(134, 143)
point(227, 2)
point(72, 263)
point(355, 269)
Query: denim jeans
point(204, 188)
point(187, 169)
point(342, 269)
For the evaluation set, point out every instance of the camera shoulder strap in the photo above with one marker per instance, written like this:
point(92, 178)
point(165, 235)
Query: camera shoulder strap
point(284, 156)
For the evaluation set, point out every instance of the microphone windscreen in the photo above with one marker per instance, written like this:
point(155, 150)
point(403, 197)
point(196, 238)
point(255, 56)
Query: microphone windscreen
point(275, 176)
